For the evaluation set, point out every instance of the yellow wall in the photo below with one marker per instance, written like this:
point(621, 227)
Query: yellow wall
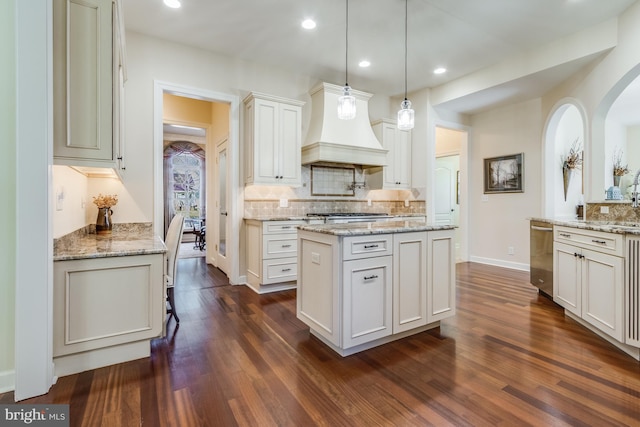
point(181, 109)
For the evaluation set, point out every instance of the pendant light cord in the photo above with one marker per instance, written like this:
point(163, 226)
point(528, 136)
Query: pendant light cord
point(406, 8)
point(346, 50)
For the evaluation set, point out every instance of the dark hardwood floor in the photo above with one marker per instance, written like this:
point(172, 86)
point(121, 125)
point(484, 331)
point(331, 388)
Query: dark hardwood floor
point(508, 358)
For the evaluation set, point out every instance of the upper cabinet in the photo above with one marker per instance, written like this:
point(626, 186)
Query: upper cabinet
point(88, 73)
point(273, 139)
point(397, 174)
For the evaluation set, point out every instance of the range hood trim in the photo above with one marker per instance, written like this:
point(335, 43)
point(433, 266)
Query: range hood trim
point(328, 152)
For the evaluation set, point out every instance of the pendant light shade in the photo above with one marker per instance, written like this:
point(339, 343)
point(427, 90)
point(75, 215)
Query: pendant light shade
point(406, 115)
point(347, 102)
point(347, 105)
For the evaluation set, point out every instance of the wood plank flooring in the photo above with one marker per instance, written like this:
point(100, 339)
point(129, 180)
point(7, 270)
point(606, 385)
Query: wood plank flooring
point(509, 358)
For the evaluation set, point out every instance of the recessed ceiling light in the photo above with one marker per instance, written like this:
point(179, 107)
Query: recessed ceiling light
point(308, 24)
point(174, 4)
point(440, 70)
point(364, 63)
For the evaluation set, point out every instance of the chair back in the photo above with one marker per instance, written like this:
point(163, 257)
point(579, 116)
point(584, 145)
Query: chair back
point(172, 241)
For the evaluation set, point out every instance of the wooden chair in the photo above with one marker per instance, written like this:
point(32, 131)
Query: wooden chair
point(172, 241)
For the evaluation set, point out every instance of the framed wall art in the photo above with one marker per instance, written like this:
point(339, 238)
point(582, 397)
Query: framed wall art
point(504, 174)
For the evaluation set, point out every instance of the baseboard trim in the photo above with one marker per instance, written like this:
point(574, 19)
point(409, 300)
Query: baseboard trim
point(7, 381)
point(500, 263)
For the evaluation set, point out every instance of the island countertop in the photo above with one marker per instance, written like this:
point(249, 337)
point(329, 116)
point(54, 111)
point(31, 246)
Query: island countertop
point(125, 240)
point(364, 228)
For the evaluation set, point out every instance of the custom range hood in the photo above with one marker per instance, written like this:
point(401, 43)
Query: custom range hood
point(332, 140)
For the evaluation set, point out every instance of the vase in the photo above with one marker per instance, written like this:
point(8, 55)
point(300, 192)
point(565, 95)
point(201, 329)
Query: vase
point(103, 221)
point(566, 178)
point(616, 180)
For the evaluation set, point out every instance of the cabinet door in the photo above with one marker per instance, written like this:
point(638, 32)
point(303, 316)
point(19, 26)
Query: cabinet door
point(389, 142)
point(290, 143)
point(402, 160)
point(602, 287)
point(367, 300)
point(441, 275)
point(409, 281)
point(83, 83)
point(265, 148)
point(567, 277)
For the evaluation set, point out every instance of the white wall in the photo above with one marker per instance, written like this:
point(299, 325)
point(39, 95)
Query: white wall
point(68, 214)
point(8, 179)
point(569, 129)
point(597, 88)
point(501, 221)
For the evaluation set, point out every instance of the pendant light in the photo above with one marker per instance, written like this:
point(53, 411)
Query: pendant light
point(406, 115)
point(347, 102)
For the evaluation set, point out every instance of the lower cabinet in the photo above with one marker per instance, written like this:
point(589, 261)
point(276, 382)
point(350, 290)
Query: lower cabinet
point(367, 299)
point(106, 310)
point(356, 292)
point(589, 283)
point(272, 254)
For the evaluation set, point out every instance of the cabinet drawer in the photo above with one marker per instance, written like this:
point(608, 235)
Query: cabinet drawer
point(595, 240)
point(279, 246)
point(280, 270)
point(367, 246)
point(280, 227)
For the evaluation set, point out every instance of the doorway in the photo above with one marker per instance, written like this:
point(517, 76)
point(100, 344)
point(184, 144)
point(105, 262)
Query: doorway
point(222, 120)
point(450, 186)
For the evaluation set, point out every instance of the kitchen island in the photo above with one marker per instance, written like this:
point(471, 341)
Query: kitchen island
point(108, 297)
point(361, 285)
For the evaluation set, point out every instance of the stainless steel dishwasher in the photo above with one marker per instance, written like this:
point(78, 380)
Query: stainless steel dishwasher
point(541, 253)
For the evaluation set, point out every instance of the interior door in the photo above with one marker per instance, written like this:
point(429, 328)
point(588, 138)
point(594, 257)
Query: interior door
point(220, 234)
point(447, 198)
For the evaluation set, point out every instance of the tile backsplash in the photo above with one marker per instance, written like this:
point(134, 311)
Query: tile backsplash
point(260, 201)
point(621, 211)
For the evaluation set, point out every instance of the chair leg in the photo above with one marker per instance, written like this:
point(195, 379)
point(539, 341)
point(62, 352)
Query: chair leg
point(172, 304)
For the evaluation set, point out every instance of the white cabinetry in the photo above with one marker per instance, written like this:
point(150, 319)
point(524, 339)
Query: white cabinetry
point(589, 277)
point(410, 281)
point(273, 139)
point(87, 54)
point(441, 275)
point(356, 292)
point(105, 310)
point(272, 254)
point(397, 173)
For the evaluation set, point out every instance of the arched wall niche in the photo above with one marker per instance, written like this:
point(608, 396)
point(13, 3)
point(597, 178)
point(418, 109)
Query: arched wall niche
point(565, 129)
point(607, 135)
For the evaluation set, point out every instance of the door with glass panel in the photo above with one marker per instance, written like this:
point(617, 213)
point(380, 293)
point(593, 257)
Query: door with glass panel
point(221, 207)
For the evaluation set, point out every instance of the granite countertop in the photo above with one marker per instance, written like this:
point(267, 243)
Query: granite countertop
point(125, 240)
point(311, 217)
point(616, 227)
point(364, 228)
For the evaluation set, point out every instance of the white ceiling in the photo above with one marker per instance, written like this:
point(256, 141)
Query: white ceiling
point(462, 35)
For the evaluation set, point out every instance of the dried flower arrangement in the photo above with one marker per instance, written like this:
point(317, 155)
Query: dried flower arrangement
point(574, 158)
point(105, 201)
point(618, 169)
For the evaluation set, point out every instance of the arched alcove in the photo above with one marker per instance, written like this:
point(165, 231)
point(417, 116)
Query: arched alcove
point(565, 131)
point(616, 127)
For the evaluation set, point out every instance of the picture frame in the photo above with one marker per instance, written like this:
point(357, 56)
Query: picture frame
point(504, 174)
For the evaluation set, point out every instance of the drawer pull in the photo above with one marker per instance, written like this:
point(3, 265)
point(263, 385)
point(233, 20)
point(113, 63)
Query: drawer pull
point(370, 246)
point(286, 246)
point(373, 276)
point(285, 270)
point(285, 227)
point(601, 242)
point(565, 235)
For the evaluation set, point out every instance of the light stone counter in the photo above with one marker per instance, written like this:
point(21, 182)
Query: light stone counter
point(125, 240)
point(616, 227)
point(366, 228)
